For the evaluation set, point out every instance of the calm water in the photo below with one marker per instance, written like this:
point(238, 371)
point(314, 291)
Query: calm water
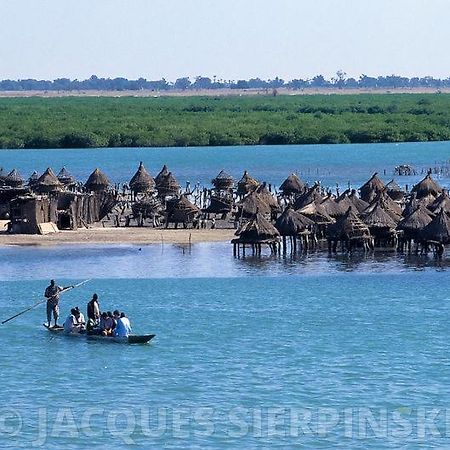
point(246, 350)
point(313, 352)
point(331, 164)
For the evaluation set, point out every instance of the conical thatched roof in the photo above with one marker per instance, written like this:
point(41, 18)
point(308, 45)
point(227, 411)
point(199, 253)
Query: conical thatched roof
point(394, 191)
point(142, 181)
point(332, 207)
point(246, 184)
point(427, 186)
point(348, 226)
point(416, 221)
point(257, 229)
point(182, 210)
point(292, 185)
point(13, 179)
point(162, 174)
point(316, 213)
point(167, 185)
point(311, 195)
point(379, 218)
point(223, 180)
point(97, 181)
point(371, 188)
point(386, 203)
point(442, 202)
point(267, 197)
point(357, 202)
point(438, 229)
point(33, 178)
point(65, 177)
point(251, 204)
point(292, 222)
point(48, 181)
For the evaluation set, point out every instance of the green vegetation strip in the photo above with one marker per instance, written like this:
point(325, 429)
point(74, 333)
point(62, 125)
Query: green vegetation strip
point(74, 122)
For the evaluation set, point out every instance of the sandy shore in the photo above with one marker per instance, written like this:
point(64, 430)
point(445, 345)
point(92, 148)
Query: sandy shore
point(120, 236)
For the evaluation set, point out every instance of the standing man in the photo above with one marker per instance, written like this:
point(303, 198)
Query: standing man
point(52, 295)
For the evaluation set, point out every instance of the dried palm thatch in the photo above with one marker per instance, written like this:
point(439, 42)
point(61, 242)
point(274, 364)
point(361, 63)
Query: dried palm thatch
point(167, 186)
point(246, 184)
point(14, 179)
point(251, 204)
point(142, 181)
point(162, 174)
point(48, 182)
point(332, 207)
point(223, 181)
point(378, 219)
point(394, 191)
point(370, 189)
point(291, 223)
point(386, 203)
point(292, 185)
point(438, 229)
point(220, 204)
point(357, 202)
point(65, 177)
point(311, 195)
point(348, 227)
point(33, 179)
point(316, 213)
point(267, 197)
point(427, 186)
point(415, 222)
point(181, 210)
point(147, 206)
point(257, 229)
point(97, 181)
point(442, 202)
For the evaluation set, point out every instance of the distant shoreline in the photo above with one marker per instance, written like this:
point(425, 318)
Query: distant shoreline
point(225, 92)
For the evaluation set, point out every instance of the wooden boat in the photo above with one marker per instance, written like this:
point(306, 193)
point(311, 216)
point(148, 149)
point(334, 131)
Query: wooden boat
point(132, 339)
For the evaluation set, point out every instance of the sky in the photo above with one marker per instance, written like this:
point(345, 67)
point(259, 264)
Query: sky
point(232, 39)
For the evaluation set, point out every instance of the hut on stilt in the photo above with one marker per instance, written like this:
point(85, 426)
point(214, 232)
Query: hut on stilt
point(382, 227)
point(246, 185)
point(350, 231)
point(369, 190)
point(166, 184)
point(426, 187)
point(295, 226)
point(142, 182)
point(437, 233)
point(257, 232)
point(147, 207)
point(181, 210)
point(223, 181)
point(394, 191)
point(311, 195)
point(412, 227)
point(97, 182)
point(250, 205)
point(221, 200)
point(66, 178)
point(47, 183)
point(442, 202)
point(358, 203)
point(292, 186)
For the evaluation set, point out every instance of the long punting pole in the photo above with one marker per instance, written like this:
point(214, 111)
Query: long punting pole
point(42, 301)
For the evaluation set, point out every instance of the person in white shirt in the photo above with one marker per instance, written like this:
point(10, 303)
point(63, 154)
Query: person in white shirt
point(123, 327)
point(71, 324)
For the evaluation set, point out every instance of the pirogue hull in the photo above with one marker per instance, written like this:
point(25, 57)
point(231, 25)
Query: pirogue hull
point(133, 339)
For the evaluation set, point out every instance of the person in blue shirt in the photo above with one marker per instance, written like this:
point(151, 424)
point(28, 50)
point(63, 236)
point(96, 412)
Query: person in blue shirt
point(123, 327)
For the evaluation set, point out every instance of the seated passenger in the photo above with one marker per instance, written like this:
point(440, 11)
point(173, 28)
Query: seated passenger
point(123, 327)
point(81, 320)
point(106, 324)
point(71, 324)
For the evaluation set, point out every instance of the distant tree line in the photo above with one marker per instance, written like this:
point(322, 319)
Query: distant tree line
point(340, 81)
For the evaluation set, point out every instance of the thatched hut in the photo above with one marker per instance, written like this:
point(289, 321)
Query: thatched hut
point(442, 202)
point(332, 207)
point(181, 210)
point(65, 177)
point(47, 183)
point(357, 202)
point(381, 226)
point(426, 187)
point(251, 204)
point(223, 181)
point(437, 232)
point(292, 185)
point(163, 173)
point(387, 204)
point(256, 232)
point(311, 195)
point(142, 181)
point(413, 225)
point(316, 212)
point(394, 191)
point(147, 207)
point(14, 179)
point(350, 231)
point(269, 199)
point(167, 185)
point(369, 190)
point(33, 179)
point(246, 184)
point(97, 181)
point(294, 225)
point(220, 203)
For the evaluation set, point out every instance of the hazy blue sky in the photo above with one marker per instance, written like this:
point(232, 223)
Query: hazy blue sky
point(232, 39)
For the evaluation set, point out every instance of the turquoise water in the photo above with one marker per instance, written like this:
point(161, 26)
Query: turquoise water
point(318, 352)
point(331, 164)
